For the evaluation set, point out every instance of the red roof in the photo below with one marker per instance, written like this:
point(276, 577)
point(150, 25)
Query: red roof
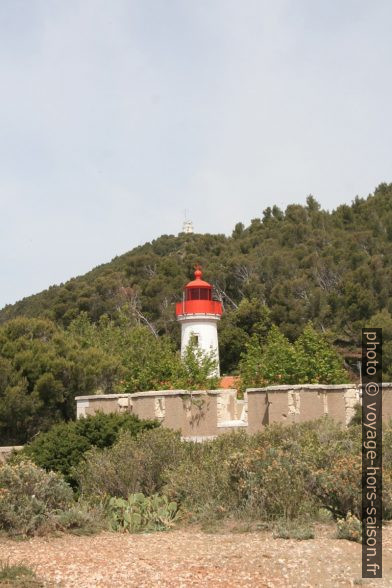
point(198, 298)
point(198, 282)
point(229, 382)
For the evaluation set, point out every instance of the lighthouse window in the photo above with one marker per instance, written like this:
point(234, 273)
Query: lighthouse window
point(199, 294)
point(194, 339)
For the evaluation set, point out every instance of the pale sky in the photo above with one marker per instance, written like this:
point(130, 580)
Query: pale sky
point(116, 115)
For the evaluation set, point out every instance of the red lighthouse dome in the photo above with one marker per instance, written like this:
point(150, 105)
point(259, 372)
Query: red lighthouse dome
point(197, 298)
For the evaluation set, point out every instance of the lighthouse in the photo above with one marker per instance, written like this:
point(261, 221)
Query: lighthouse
point(199, 314)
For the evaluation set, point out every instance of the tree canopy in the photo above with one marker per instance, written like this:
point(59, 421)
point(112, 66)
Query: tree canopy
point(297, 286)
point(302, 264)
point(309, 360)
point(44, 366)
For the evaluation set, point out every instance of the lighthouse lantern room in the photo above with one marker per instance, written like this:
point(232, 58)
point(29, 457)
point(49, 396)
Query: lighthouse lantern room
point(199, 314)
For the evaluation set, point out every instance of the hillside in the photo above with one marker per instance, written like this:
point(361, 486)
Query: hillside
point(334, 268)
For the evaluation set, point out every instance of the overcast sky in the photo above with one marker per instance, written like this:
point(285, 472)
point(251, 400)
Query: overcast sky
point(117, 115)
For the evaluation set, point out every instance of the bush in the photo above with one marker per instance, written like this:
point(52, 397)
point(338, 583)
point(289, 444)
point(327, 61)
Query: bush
point(30, 497)
point(339, 487)
point(35, 502)
point(201, 481)
point(332, 465)
point(82, 518)
point(61, 448)
point(271, 482)
point(272, 475)
point(349, 528)
point(133, 464)
point(281, 473)
point(299, 530)
point(240, 475)
point(141, 513)
point(18, 575)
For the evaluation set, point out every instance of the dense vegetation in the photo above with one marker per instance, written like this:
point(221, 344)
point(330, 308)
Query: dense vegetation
point(333, 268)
point(287, 477)
point(61, 448)
point(293, 284)
point(43, 367)
point(297, 286)
point(310, 359)
point(34, 501)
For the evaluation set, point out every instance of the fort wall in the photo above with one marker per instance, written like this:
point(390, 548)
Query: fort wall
point(204, 414)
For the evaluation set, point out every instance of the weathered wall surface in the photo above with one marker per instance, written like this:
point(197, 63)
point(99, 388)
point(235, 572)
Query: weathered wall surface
point(300, 403)
point(198, 413)
point(257, 409)
point(387, 401)
point(203, 414)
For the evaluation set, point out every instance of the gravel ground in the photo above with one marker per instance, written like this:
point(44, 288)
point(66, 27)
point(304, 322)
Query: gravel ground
point(185, 558)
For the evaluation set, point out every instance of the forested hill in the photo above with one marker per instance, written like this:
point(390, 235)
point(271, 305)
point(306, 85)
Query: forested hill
point(334, 268)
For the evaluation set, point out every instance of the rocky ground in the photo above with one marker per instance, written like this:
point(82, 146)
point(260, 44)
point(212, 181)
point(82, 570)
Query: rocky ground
point(185, 558)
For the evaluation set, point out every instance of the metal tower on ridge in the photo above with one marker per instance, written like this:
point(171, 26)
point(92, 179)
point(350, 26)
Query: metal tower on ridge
point(187, 226)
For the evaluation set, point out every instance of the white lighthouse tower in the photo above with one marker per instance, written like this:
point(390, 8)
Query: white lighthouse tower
point(199, 314)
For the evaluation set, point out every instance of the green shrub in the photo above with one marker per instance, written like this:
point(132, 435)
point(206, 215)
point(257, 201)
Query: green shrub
point(201, 482)
point(311, 359)
point(324, 515)
point(141, 513)
point(349, 528)
point(133, 464)
point(271, 475)
point(36, 502)
point(271, 482)
point(297, 529)
point(30, 497)
point(82, 518)
point(331, 457)
point(195, 368)
point(61, 448)
point(281, 473)
point(18, 576)
point(356, 419)
point(339, 487)
point(241, 475)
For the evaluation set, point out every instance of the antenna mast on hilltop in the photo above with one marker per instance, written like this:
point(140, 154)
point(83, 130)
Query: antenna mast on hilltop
point(187, 225)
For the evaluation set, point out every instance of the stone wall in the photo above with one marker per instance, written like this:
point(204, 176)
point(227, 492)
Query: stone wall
point(204, 414)
point(387, 401)
point(198, 413)
point(304, 402)
point(257, 409)
point(300, 403)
